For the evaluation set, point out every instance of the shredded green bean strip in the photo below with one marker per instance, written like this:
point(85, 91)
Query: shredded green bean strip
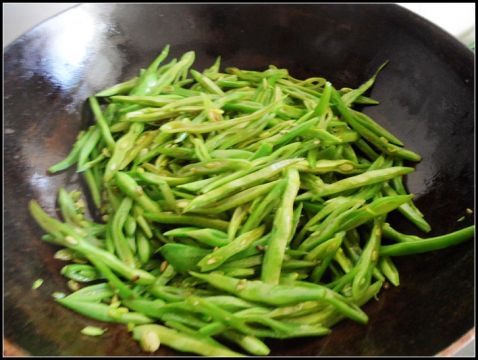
point(234, 206)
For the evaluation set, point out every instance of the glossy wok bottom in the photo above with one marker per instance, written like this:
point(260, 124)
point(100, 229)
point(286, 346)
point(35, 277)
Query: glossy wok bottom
point(426, 95)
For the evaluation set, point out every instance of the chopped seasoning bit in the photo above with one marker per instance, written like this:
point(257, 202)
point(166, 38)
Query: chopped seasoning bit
point(73, 285)
point(64, 254)
point(92, 331)
point(71, 240)
point(461, 219)
point(149, 341)
point(80, 204)
point(106, 152)
point(75, 195)
point(37, 283)
point(115, 303)
point(469, 211)
point(374, 255)
point(346, 167)
point(130, 327)
point(79, 261)
point(58, 295)
point(241, 284)
point(163, 266)
point(260, 248)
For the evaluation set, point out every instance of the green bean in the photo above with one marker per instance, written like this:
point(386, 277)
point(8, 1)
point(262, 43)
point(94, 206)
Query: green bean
point(282, 230)
point(168, 76)
point(281, 294)
point(92, 293)
point(206, 83)
point(102, 124)
point(102, 312)
point(264, 208)
point(169, 218)
point(367, 178)
point(176, 126)
point(294, 132)
point(376, 208)
point(80, 272)
point(183, 257)
point(141, 143)
point(389, 270)
point(312, 207)
point(158, 100)
point(350, 154)
point(324, 100)
point(68, 237)
point(120, 88)
point(234, 204)
point(408, 211)
point(72, 157)
point(373, 126)
point(195, 186)
point(430, 244)
point(69, 211)
point(230, 303)
point(87, 149)
point(166, 275)
point(245, 262)
point(331, 225)
point(264, 150)
point(93, 187)
point(121, 246)
point(249, 343)
point(130, 225)
point(123, 290)
point(130, 188)
point(148, 80)
point(146, 307)
point(219, 256)
point(210, 237)
point(94, 162)
point(214, 166)
point(181, 341)
point(325, 166)
point(368, 259)
point(325, 252)
point(241, 183)
point(123, 145)
point(330, 206)
point(377, 141)
point(366, 149)
point(391, 233)
point(240, 198)
point(143, 246)
point(364, 100)
point(221, 180)
point(351, 96)
point(330, 316)
point(236, 220)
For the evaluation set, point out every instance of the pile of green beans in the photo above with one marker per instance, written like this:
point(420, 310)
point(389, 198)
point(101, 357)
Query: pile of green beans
point(233, 207)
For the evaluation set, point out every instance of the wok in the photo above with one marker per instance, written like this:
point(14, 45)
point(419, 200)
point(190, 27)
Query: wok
point(426, 98)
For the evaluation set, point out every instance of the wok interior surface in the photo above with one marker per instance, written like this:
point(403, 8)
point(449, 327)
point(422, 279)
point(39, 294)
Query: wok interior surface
point(426, 99)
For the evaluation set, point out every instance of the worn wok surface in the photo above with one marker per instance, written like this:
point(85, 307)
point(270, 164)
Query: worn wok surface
point(426, 95)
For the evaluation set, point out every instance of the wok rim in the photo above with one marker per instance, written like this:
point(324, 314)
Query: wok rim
point(12, 349)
